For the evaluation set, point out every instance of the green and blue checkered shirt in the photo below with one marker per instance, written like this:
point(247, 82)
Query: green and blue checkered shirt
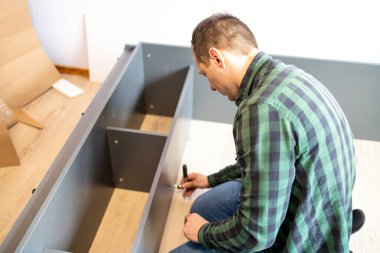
point(295, 158)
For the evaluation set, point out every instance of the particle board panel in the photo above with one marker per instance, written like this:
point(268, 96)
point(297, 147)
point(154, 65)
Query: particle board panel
point(119, 225)
point(37, 149)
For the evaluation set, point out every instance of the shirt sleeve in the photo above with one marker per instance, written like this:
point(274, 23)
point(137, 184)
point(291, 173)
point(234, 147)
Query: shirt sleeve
point(228, 173)
point(265, 151)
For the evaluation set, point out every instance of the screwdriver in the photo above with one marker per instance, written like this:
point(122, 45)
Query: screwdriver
point(184, 174)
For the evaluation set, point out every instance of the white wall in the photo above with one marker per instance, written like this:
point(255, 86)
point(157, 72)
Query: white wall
point(342, 30)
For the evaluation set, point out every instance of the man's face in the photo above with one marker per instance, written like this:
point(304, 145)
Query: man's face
point(217, 78)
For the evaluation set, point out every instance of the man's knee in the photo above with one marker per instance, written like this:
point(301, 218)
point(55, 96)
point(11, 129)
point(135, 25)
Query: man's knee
point(218, 203)
point(199, 205)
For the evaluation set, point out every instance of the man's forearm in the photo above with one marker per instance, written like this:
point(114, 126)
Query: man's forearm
point(228, 173)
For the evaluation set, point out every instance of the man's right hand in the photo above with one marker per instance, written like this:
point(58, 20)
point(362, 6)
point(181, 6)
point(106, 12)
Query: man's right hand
point(193, 182)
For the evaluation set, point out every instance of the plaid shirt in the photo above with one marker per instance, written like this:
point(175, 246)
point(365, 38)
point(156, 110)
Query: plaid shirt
point(295, 158)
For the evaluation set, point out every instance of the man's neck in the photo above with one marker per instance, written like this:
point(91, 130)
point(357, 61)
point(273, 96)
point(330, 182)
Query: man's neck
point(238, 65)
point(249, 58)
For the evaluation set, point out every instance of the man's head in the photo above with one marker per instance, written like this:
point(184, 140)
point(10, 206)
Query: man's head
point(223, 47)
point(222, 31)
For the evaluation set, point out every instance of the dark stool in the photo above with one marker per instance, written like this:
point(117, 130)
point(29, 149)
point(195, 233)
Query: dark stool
point(358, 219)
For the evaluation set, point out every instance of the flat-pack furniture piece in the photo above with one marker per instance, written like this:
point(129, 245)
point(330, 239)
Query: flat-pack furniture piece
point(108, 150)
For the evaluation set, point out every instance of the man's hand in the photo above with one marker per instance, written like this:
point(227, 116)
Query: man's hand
point(194, 181)
point(193, 222)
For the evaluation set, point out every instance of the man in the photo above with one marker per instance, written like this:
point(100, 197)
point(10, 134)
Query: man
point(290, 189)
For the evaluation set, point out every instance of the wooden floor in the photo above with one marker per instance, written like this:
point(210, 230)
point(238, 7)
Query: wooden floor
point(173, 234)
point(156, 123)
point(117, 231)
point(37, 149)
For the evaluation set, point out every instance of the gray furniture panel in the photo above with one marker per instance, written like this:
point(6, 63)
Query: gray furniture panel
point(356, 87)
point(134, 157)
point(148, 237)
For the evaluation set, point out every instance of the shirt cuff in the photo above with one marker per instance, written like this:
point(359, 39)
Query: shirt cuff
point(212, 180)
point(201, 237)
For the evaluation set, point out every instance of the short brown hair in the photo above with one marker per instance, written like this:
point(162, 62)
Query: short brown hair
point(221, 31)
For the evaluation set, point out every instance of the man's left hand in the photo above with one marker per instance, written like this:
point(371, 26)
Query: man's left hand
point(193, 222)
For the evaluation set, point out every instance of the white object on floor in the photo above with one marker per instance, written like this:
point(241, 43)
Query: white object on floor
point(67, 88)
point(209, 148)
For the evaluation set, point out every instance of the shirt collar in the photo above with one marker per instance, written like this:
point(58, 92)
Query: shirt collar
point(250, 78)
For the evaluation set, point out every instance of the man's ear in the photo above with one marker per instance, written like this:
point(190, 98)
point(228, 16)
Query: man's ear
point(216, 57)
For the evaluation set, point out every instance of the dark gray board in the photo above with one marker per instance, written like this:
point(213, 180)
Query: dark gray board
point(356, 87)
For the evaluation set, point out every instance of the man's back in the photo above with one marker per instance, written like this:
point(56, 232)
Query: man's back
point(318, 218)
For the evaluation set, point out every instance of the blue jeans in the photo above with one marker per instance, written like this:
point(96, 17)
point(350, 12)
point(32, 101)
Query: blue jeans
point(219, 203)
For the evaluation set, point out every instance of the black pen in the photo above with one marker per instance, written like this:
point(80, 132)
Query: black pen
point(184, 174)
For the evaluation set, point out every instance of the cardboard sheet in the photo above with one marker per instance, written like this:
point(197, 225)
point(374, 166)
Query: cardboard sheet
point(8, 154)
point(21, 116)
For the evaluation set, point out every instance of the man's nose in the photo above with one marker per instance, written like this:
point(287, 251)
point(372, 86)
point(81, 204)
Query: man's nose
point(212, 88)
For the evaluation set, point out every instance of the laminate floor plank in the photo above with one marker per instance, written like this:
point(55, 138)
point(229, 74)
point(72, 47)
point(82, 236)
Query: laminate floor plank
point(118, 228)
